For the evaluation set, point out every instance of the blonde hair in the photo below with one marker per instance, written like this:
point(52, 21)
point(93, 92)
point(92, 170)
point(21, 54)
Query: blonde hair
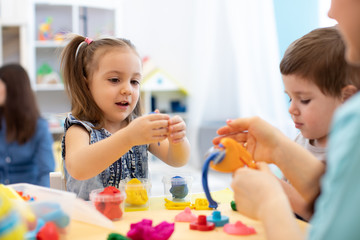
point(78, 65)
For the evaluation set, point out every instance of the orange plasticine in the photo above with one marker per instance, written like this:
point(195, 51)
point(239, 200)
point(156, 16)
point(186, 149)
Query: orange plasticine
point(236, 156)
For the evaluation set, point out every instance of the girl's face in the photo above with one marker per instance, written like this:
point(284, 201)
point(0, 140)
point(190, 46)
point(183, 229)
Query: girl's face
point(2, 93)
point(115, 85)
point(347, 14)
point(310, 109)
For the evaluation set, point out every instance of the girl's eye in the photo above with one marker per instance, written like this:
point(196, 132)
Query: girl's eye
point(290, 99)
point(114, 80)
point(305, 101)
point(135, 82)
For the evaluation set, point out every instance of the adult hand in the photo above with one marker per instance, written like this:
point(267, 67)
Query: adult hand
point(260, 138)
point(257, 191)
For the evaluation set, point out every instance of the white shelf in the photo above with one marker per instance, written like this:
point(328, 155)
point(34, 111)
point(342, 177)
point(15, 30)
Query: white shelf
point(49, 87)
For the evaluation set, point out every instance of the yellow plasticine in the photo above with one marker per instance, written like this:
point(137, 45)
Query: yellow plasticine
point(201, 204)
point(176, 205)
point(10, 193)
point(136, 193)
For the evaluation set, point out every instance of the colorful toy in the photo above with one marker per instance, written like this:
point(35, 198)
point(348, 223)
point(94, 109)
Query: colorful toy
point(186, 216)
point(238, 229)
point(11, 225)
point(202, 224)
point(228, 156)
point(179, 188)
point(218, 219)
point(109, 202)
point(45, 31)
point(144, 230)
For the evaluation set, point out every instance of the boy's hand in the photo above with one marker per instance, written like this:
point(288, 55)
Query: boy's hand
point(177, 129)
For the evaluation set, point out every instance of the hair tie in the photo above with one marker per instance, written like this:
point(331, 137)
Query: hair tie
point(88, 40)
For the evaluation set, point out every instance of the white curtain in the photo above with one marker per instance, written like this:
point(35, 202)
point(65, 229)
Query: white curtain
point(235, 67)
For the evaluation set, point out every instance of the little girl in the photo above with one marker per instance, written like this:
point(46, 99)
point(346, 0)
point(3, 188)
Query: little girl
point(106, 139)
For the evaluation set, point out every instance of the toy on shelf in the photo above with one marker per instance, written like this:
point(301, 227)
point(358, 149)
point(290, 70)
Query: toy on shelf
point(137, 194)
point(46, 75)
point(45, 30)
point(145, 230)
point(228, 156)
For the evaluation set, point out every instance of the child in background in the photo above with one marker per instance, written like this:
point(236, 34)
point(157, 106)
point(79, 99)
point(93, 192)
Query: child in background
point(106, 138)
point(317, 80)
point(26, 154)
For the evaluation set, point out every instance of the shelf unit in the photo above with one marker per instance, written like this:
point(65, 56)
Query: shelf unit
point(48, 23)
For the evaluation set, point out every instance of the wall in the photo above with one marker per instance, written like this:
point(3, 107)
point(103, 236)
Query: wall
point(294, 19)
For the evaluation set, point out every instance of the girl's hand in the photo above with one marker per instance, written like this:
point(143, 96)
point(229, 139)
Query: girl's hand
point(255, 191)
point(148, 129)
point(177, 129)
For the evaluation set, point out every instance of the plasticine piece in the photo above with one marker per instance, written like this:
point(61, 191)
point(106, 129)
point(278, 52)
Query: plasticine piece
point(218, 219)
point(201, 204)
point(48, 231)
point(233, 205)
point(116, 236)
point(202, 224)
point(144, 231)
point(179, 188)
point(170, 205)
point(136, 194)
point(111, 209)
point(238, 229)
point(186, 216)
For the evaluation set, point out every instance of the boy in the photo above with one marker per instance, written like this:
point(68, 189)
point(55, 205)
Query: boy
point(317, 80)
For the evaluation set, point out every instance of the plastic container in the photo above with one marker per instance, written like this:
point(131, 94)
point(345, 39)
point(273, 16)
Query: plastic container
point(137, 193)
point(177, 187)
point(48, 204)
point(110, 205)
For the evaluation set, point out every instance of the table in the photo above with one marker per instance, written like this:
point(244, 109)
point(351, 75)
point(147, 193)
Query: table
point(158, 213)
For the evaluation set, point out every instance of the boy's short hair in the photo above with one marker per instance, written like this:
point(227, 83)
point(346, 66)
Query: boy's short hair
point(319, 56)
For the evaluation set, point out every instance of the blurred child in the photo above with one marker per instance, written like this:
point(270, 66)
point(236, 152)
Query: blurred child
point(317, 80)
point(106, 138)
point(26, 154)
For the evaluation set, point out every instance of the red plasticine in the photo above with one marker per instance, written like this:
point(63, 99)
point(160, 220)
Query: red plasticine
point(111, 210)
point(238, 229)
point(144, 231)
point(202, 224)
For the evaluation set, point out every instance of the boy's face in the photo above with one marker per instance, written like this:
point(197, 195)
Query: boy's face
point(310, 109)
point(115, 85)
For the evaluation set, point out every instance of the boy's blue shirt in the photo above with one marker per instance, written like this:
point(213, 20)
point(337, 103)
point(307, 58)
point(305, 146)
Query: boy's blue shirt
point(30, 162)
point(133, 164)
point(337, 211)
